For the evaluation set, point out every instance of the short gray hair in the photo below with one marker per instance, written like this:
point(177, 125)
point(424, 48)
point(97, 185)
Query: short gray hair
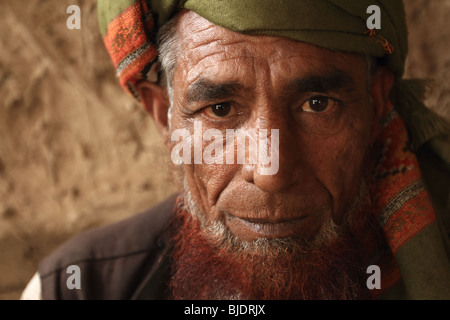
point(168, 49)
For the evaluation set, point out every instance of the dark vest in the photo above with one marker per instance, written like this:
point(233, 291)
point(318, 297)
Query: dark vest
point(125, 260)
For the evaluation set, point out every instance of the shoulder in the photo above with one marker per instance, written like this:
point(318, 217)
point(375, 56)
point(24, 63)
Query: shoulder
point(110, 256)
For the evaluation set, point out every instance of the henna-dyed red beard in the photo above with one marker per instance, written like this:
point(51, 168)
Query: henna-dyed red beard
point(208, 266)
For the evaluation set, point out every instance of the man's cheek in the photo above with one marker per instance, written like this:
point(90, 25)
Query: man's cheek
point(195, 184)
point(338, 164)
point(215, 179)
point(205, 183)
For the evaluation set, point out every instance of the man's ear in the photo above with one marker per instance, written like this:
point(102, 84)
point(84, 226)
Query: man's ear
point(381, 86)
point(155, 100)
point(382, 83)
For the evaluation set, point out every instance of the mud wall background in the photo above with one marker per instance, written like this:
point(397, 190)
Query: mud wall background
point(76, 152)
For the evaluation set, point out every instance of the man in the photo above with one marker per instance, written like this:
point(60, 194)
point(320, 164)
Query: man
point(362, 167)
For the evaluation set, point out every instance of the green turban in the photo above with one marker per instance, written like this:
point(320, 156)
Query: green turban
point(334, 24)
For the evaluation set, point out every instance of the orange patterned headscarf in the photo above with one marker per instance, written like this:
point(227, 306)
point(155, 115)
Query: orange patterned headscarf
point(400, 200)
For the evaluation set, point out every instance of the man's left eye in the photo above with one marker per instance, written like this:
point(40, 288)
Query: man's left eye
point(220, 110)
point(318, 104)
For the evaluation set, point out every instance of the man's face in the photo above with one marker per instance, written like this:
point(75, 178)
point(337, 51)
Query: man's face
point(317, 99)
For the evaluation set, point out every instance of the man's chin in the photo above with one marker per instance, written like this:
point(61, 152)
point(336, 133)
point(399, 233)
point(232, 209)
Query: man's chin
point(211, 263)
point(267, 243)
point(231, 231)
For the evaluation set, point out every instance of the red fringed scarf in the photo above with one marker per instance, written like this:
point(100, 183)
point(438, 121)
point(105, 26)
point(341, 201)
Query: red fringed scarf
point(400, 200)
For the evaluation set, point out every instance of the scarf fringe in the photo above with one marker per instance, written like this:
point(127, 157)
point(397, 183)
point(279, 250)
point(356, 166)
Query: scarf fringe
point(423, 123)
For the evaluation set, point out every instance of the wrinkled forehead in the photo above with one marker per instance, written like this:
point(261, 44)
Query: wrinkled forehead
point(206, 46)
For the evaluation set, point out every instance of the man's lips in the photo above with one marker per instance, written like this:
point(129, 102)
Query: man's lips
point(251, 229)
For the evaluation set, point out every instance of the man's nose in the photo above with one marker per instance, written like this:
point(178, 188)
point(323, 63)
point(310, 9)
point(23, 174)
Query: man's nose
point(277, 167)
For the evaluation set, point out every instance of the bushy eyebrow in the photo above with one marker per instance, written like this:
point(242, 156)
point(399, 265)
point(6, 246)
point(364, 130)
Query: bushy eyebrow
point(331, 81)
point(205, 90)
